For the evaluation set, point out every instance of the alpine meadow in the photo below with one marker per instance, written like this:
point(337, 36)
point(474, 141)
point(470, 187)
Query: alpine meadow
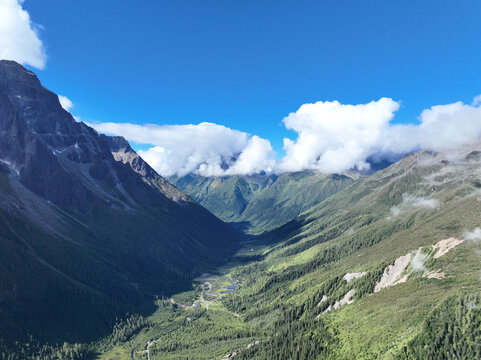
point(240, 180)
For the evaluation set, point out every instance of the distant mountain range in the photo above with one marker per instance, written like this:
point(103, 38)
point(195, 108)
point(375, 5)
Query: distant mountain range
point(88, 230)
point(257, 203)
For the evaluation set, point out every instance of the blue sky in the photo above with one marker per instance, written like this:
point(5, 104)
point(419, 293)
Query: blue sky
point(248, 64)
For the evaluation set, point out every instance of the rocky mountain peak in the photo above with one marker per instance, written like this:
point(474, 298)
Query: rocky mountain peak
point(63, 160)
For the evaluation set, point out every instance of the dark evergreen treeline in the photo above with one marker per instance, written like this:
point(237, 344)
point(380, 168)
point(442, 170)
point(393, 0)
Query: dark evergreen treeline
point(304, 339)
point(33, 350)
point(124, 329)
point(452, 332)
point(299, 333)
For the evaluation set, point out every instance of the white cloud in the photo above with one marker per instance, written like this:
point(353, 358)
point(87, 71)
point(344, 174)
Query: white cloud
point(333, 137)
point(421, 202)
point(474, 235)
point(442, 127)
point(65, 102)
point(207, 149)
point(476, 100)
point(257, 156)
point(19, 39)
point(417, 262)
point(414, 202)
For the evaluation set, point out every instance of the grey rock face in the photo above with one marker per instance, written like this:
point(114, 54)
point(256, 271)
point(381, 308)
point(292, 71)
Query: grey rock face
point(122, 152)
point(63, 160)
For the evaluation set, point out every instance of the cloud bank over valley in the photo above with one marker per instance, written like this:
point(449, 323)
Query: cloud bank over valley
point(206, 149)
point(331, 138)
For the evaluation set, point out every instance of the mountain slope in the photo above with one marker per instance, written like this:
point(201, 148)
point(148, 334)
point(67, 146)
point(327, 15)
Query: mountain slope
point(387, 268)
point(87, 228)
point(261, 202)
point(364, 271)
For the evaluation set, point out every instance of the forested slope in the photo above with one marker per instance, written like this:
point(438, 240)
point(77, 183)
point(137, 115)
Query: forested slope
point(258, 203)
point(387, 268)
point(88, 231)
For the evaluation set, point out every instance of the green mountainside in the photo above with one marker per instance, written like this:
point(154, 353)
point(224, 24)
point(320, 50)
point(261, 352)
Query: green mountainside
point(102, 258)
point(258, 203)
point(388, 268)
point(88, 231)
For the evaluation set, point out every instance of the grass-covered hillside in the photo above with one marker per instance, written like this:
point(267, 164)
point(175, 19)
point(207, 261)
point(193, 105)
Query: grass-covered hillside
point(388, 268)
point(258, 203)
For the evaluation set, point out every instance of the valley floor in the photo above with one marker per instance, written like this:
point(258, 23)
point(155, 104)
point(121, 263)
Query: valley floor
point(203, 323)
point(190, 325)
